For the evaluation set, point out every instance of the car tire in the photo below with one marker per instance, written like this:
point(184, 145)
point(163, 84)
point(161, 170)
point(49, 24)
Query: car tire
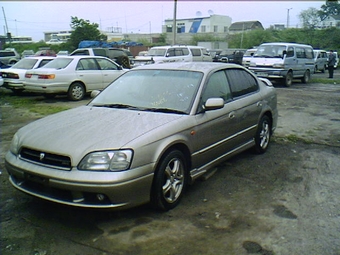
point(306, 77)
point(288, 81)
point(76, 91)
point(263, 135)
point(169, 182)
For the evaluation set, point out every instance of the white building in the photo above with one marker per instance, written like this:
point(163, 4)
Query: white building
point(331, 21)
point(212, 24)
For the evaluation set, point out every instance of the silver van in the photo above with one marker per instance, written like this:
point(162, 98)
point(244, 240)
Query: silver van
point(320, 59)
point(283, 61)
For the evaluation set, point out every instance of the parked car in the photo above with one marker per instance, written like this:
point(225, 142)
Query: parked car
point(118, 55)
point(62, 53)
point(46, 52)
point(9, 57)
point(27, 53)
point(336, 59)
point(15, 75)
point(320, 60)
point(72, 75)
point(247, 56)
point(174, 53)
point(229, 56)
point(145, 137)
point(282, 61)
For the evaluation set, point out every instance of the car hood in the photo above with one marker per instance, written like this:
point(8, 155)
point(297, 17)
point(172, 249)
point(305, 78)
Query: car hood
point(84, 129)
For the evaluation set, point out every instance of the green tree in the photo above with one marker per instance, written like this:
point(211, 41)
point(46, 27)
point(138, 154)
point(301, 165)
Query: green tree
point(310, 18)
point(330, 8)
point(84, 30)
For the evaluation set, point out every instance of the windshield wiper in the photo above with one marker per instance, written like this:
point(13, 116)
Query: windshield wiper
point(121, 106)
point(165, 110)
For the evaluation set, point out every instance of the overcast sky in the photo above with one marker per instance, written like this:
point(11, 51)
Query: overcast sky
point(26, 18)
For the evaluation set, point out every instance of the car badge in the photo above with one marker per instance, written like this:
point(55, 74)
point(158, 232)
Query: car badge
point(42, 156)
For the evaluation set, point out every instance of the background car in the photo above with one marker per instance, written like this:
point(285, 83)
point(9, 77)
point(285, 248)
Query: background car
point(72, 75)
point(62, 53)
point(247, 57)
point(15, 75)
point(9, 57)
point(229, 56)
point(144, 138)
point(320, 59)
point(27, 53)
point(46, 52)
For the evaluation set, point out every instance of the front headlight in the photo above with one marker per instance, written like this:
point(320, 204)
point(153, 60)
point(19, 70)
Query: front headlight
point(106, 161)
point(14, 148)
point(278, 65)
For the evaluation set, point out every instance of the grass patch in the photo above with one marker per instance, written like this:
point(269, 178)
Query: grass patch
point(31, 104)
point(325, 81)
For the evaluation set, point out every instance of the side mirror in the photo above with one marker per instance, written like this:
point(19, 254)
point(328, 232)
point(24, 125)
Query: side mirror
point(213, 104)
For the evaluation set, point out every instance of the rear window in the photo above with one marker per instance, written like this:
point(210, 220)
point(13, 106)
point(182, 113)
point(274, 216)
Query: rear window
point(59, 63)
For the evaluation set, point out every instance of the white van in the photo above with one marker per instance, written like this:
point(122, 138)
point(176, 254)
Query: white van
point(283, 61)
point(247, 56)
point(320, 59)
point(175, 53)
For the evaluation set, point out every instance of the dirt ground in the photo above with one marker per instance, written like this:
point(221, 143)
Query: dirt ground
point(284, 202)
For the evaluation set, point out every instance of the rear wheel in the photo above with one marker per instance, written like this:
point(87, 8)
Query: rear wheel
point(263, 134)
point(76, 92)
point(288, 81)
point(169, 182)
point(306, 77)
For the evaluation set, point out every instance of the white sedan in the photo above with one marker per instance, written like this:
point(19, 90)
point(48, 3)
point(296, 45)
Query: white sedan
point(15, 75)
point(73, 75)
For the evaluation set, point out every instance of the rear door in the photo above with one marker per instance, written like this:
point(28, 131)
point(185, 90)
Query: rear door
point(88, 72)
point(109, 70)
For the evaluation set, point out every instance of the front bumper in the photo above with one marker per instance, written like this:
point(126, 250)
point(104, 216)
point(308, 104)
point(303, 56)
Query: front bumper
point(269, 73)
point(90, 190)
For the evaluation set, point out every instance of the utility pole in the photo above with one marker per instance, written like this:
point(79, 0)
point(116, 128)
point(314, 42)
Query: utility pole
point(288, 16)
point(174, 27)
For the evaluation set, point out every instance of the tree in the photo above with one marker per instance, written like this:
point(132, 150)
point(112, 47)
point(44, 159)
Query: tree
point(84, 30)
point(330, 8)
point(310, 18)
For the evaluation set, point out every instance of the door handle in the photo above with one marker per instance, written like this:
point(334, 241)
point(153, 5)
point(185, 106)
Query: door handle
point(259, 104)
point(231, 115)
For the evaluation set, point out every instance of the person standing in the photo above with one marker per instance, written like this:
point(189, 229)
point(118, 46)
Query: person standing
point(331, 63)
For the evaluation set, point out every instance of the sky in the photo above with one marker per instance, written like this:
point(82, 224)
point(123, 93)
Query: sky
point(33, 18)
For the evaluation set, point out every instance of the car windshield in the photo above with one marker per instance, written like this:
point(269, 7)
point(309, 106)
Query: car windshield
point(157, 52)
point(58, 63)
point(270, 51)
point(25, 63)
point(171, 91)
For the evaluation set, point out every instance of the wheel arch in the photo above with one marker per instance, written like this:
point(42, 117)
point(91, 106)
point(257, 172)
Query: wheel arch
point(80, 82)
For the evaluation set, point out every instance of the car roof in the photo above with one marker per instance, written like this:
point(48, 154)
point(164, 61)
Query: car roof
point(81, 56)
point(204, 67)
point(39, 57)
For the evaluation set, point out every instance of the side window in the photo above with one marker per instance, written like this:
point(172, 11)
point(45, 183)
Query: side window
point(185, 51)
point(290, 52)
point(100, 52)
point(87, 64)
point(300, 52)
point(171, 53)
point(241, 82)
point(105, 64)
point(217, 87)
point(309, 53)
point(195, 52)
point(44, 62)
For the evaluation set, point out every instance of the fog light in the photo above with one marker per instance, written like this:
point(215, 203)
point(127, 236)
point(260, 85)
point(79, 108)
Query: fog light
point(100, 197)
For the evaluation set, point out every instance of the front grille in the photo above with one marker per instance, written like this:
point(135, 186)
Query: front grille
point(46, 158)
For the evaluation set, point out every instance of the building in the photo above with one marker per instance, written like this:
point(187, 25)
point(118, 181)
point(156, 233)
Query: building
point(212, 24)
point(61, 36)
point(330, 21)
point(245, 26)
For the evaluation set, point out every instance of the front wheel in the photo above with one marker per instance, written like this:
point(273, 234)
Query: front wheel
point(306, 77)
point(262, 136)
point(288, 81)
point(169, 182)
point(76, 92)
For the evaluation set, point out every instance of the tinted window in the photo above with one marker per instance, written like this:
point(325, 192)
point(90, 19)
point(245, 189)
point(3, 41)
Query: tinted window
point(44, 62)
point(217, 87)
point(7, 54)
point(241, 82)
point(81, 52)
point(300, 52)
point(195, 52)
point(100, 52)
point(113, 53)
point(290, 52)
